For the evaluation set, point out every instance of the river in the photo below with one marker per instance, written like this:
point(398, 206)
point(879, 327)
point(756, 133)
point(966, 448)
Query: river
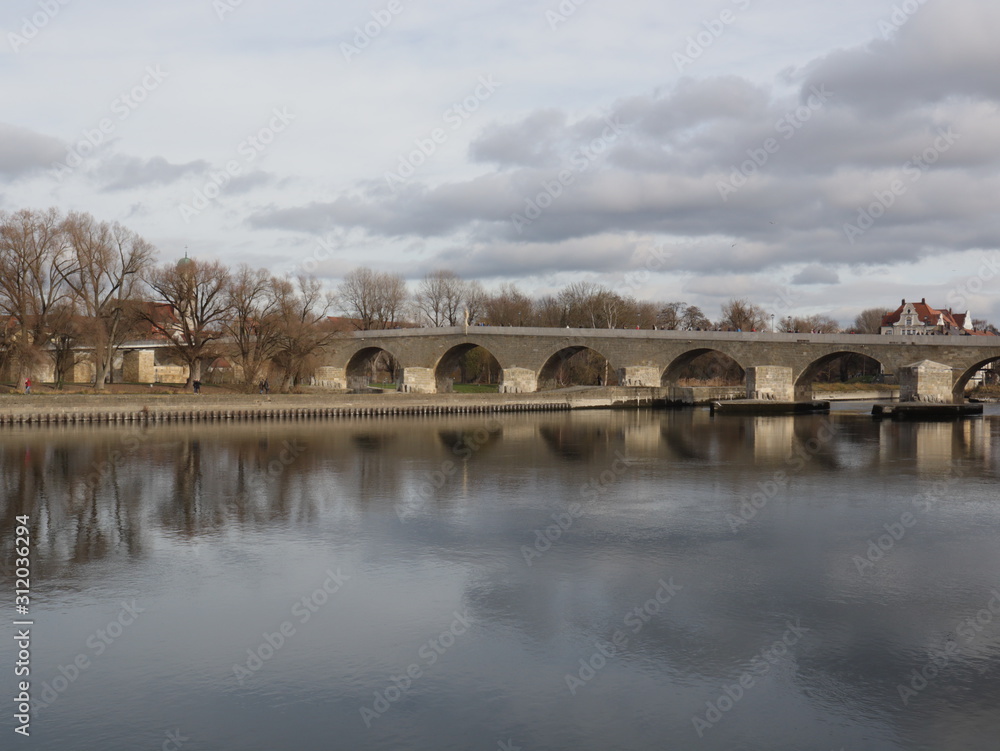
point(586, 580)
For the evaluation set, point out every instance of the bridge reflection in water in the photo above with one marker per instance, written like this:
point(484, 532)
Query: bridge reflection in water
point(197, 480)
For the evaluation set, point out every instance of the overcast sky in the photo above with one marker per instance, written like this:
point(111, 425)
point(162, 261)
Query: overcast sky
point(814, 157)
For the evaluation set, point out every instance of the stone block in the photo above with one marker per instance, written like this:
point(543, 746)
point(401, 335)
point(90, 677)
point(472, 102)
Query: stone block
point(639, 375)
point(771, 382)
point(83, 371)
point(926, 381)
point(518, 381)
point(418, 381)
point(139, 366)
point(332, 378)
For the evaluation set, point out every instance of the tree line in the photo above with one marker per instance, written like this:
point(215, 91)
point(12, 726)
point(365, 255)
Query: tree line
point(71, 283)
point(380, 300)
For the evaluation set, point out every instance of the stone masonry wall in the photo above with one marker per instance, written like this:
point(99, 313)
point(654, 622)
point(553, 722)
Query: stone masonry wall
point(771, 382)
point(925, 381)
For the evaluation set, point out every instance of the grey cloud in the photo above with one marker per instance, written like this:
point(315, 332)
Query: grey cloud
point(606, 254)
point(692, 104)
point(125, 172)
point(313, 218)
point(526, 143)
point(815, 274)
point(23, 150)
point(245, 183)
point(942, 50)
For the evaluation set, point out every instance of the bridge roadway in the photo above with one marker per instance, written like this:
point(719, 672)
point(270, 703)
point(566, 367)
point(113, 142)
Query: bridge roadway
point(778, 366)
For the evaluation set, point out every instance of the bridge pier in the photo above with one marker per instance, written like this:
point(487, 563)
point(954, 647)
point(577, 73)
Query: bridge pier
point(926, 381)
point(771, 382)
point(639, 375)
point(332, 378)
point(418, 381)
point(139, 366)
point(518, 381)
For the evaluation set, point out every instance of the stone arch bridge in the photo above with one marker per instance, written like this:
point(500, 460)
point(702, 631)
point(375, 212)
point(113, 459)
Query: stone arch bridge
point(778, 366)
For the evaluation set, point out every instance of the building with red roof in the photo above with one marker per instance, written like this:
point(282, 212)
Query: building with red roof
point(920, 319)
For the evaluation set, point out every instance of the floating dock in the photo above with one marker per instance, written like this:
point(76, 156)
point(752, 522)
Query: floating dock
point(925, 411)
point(762, 407)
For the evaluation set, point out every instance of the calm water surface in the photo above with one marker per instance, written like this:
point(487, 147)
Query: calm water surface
point(596, 580)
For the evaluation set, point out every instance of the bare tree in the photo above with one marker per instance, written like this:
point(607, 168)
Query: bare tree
point(304, 331)
point(641, 313)
point(104, 270)
point(508, 307)
point(440, 298)
point(474, 301)
point(195, 292)
point(670, 316)
point(869, 320)
point(608, 309)
point(742, 315)
point(579, 303)
point(68, 330)
point(981, 324)
point(694, 320)
point(814, 324)
point(376, 299)
point(589, 305)
point(33, 247)
point(548, 311)
point(391, 299)
point(254, 322)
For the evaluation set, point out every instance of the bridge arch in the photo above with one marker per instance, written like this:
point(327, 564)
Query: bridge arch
point(958, 390)
point(577, 365)
point(453, 362)
point(805, 379)
point(369, 364)
point(724, 367)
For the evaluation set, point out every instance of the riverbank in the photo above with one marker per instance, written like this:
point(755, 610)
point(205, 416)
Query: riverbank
point(168, 408)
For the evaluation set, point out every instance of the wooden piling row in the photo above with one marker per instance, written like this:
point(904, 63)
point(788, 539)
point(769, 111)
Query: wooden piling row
point(147, 417)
